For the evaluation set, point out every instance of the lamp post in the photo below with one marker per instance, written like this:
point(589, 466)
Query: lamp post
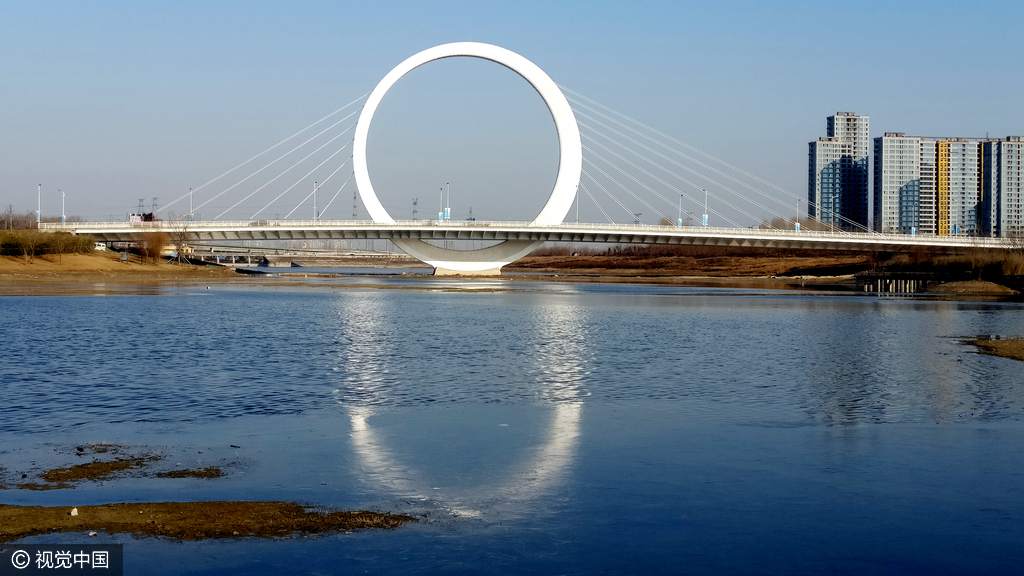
point(705, 206)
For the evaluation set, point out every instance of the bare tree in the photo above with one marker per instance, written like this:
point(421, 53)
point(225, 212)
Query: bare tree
point(59, 243)
point(179, 237)
point(29, 242)
point(151, 244)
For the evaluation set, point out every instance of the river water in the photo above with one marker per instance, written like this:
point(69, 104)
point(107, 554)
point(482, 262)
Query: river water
point(539, 427)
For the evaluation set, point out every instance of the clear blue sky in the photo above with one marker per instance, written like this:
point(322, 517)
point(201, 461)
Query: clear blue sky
point(113, 101)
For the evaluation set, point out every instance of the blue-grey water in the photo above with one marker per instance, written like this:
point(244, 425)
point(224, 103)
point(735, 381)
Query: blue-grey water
point(539, 427)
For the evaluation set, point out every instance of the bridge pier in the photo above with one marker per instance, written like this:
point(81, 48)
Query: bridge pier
point(440, 271)
point(481, 262)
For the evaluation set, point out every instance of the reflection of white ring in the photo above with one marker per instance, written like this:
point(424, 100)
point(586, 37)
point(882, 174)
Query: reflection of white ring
point(363, 324)
point(570, 149)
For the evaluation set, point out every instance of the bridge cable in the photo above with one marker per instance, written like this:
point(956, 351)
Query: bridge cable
point(680, 165)
point(287, 170)
point(579, 100)
point(585, 108)
point(655, 211)
point(336, 194)
point(669, 201)
point(303, 178)
point(663, 182)
point(607, 193)
point(583, 188)
point(275, 161)
point(279, 143)
point(311, 192)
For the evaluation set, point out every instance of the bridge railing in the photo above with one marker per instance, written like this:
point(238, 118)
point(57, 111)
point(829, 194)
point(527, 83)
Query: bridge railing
point(592, 228)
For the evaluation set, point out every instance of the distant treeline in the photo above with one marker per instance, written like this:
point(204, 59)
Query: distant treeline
point(31, 243)
point(11, 220)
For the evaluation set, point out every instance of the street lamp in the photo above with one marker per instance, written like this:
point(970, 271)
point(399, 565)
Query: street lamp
point(705, 206)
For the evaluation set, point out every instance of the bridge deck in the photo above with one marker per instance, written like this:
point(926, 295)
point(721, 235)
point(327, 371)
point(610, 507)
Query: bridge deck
point(478, 230)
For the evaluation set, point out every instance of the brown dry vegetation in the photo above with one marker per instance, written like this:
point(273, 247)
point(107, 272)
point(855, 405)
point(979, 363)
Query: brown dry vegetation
point(208, 472)
point(97, 469)
point(1003, 347)
point(151, 243)
point(76, 273)
point(28, 244)
point(973, 287)
point(708, 261)
point(190, 520)
point(696, 261)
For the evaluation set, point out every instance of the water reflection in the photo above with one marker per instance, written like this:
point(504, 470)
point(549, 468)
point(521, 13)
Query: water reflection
point(885, 361)
point(558, 356)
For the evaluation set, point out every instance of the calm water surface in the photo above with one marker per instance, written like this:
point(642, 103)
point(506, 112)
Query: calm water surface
point(547, 428)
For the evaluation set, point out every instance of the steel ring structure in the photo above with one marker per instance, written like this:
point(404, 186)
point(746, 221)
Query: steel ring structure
point(570, 161)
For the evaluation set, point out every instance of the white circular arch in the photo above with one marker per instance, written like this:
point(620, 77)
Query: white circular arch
point(570, 159)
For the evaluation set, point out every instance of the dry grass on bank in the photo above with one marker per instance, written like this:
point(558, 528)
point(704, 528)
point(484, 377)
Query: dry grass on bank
point(1003, 347)
point(973, 287)
point(101, 264)
point(717, 266)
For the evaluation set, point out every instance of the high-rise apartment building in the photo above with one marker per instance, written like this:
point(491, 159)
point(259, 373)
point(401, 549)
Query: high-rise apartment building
point(837, 179)
point(1002, 188)
point(959, 186)
point(948, 186)
point(928, 218)
point(897, 202)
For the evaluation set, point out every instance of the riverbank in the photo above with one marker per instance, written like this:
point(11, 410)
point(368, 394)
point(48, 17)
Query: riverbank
point(654, 266)
point(88, 273)
point(99, 264)
point(104, 273)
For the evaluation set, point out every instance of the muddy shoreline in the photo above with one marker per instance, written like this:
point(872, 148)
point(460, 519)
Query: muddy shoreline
point(101, 274)
point(191, 520)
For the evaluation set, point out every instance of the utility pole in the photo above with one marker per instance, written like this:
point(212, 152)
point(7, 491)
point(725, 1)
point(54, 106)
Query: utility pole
point(679, 217)
point(39, 204)
point(155, 203)
point(415, 207)
point(191, 210)
point(63, 215)
point(315, 213)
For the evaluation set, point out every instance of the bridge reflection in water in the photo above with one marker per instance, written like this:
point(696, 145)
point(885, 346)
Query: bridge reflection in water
point(557, 344)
